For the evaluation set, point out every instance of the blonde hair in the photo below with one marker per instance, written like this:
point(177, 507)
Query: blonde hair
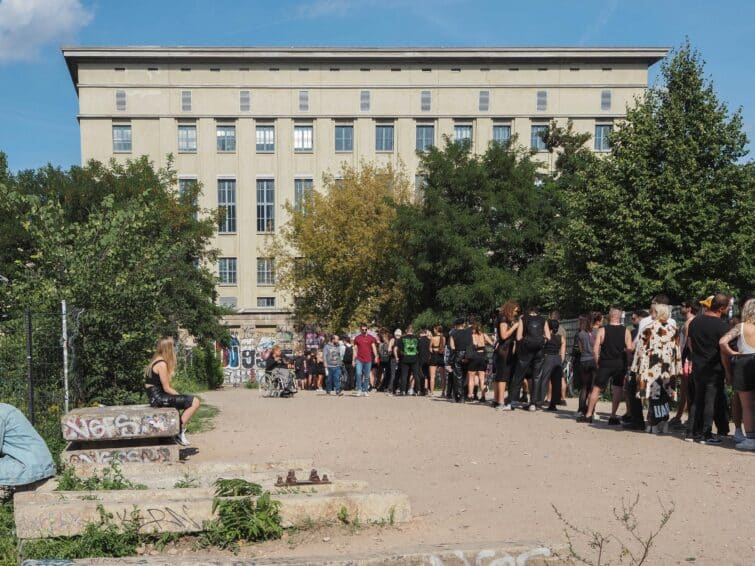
point(748, 312)
point(662, 312)
point(165, 350)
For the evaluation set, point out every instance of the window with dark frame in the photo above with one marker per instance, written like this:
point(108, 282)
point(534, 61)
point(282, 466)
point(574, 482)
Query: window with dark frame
point(227, 203)
point(425, 136)
point(265, 271)
point(122, 138)
point(226, 138)
point(537, 137)
point(384, 137)
point(265, 137)
point(265, 205)
point(302, 191)
point(227, 270)
point(187, 138)
point(344, 137)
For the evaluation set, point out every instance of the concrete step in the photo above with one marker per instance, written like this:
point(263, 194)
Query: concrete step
point(47, 514)
point(140, 450)
point(119, 423)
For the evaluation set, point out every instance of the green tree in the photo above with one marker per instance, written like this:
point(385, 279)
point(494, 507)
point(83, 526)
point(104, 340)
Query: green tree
point(478, 235)
point(118, 242)
point(669, 210)
point(336, 255)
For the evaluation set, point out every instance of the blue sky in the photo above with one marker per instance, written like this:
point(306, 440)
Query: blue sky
point(38, 103)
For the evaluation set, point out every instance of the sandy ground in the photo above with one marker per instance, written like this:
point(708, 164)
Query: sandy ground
point(477, 476)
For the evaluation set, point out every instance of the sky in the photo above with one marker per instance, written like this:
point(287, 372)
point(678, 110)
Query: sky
point(38, 103)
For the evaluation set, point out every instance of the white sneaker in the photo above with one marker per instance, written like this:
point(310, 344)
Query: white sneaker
point(410, 392)
point(532, 408)
point(365, 394)
point(738, 436)
point(748, 445)
point(182, 440)
point(505, 407)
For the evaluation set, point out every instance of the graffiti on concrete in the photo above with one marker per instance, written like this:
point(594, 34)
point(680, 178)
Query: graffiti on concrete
point(141, 454)
point(150, 424)
point(489, 557)
point(163, 519)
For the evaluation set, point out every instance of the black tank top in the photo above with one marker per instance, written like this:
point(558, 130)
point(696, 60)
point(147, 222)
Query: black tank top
point(154, 377)
point(553, 346)
point(614, 343)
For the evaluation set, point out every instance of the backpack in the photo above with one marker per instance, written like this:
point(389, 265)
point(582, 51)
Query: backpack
point(348, 355)
point(410, 346)
point(534, 333)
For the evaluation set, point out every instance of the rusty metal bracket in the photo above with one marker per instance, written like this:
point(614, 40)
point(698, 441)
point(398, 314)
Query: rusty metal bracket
point(291, 481)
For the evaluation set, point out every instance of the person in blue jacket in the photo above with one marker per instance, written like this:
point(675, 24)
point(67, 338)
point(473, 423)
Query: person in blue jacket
point(24, 456)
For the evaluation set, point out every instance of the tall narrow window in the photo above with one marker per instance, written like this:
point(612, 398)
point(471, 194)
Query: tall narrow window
point(265, 271)
point(302, 191)
point(245, 101)
point(227, 270)
point(537, 137)
point(605, 99)
point(345, 138)
point(120, 100)
point(227, 203)
point(602, 131)
point(187, 138)
point(425, 136)
point(425, 100)
point(265, 138)
point(303, 142)
point(303, 101)
point(463, 133)
point(226, 137)
point(121, 138)
point(501, 133)
point(542, 100)
point(185, 184)
point(265, 205)
point(384, 137)
point(484, 102)
point(364, 101)
point(186, 101)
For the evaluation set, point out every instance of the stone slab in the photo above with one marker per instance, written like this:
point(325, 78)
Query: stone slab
point(481, 554)
point(47, 514)
point(137, 451)
point(164, 475)
point(119, 422)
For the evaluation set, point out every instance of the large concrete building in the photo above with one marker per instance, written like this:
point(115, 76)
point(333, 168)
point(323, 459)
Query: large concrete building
point(259, 127)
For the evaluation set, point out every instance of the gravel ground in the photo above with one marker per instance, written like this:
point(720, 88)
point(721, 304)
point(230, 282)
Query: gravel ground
point(475, 475)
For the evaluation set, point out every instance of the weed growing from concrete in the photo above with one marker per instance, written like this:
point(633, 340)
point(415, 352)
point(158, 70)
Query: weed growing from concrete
point(187, 482)
point(636, 550)
point(112, 478)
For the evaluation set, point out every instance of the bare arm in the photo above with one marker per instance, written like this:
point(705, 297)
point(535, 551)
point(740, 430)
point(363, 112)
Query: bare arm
point(504, 332)
point(563, 349)
point(162, 370)
point(488, 339)
point(629, 346)
point(375, 352)
point(727, 352)
point(598, 344)
point(547, 331)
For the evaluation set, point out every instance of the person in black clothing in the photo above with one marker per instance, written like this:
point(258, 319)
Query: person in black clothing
point(613, 343)
point(530, 339)
point(705, 332)
point(554, 356)
point(506, 326)
point(349, 371)
point(300, 368)
point(407, 354)
point(459, 339)
point(424, 360)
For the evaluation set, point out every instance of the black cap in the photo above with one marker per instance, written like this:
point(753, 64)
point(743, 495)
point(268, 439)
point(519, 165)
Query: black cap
point(458, 321)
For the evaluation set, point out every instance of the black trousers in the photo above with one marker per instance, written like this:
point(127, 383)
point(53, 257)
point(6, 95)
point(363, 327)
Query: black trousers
point(551, 372)
point(708, 403)
point(528, 364)
point(412, 367)
point(456, 381)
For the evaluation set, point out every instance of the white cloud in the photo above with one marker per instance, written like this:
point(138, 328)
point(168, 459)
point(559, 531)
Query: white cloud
point(28, 25)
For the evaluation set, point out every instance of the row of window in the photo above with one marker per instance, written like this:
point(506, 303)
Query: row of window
point(365, 100)
point(344, 137)
point(228, 273)
point(363, 69)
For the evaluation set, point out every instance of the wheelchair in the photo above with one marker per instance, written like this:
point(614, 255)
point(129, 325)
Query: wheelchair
point(279, 382)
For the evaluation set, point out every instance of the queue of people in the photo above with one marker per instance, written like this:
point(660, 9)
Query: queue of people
point(647, 366)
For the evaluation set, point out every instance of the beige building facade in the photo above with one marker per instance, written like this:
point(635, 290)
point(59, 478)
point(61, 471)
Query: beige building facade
point(259, 127)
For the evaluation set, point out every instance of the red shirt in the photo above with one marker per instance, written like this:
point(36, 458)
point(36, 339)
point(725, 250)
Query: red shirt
point(363, 343)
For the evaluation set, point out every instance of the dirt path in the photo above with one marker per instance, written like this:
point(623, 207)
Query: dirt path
point(476, 475)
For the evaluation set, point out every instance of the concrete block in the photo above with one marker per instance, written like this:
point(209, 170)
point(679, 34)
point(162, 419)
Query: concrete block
point(137, 451)
point(119, 422)
point(47, 514)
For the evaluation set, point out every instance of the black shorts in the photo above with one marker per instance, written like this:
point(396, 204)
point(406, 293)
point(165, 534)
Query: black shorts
point(478, 363)
point(584, 375)
point(743, 368)
point(610, 370)
point(436, 359)
point(159, 398)
point(504, 368)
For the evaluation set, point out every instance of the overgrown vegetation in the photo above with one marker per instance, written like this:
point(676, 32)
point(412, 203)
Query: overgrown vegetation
point(203, 419)
point(241, 518)
point(111, 478)
point(7, 534)
point(596, 548)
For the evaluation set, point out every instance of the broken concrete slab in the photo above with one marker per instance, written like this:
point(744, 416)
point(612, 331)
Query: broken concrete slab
point(66, 513)
point(119, 422)
point(137, 451)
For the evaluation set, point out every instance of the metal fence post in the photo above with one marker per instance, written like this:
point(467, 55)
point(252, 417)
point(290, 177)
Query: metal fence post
point(65, 356)
point(29, 373)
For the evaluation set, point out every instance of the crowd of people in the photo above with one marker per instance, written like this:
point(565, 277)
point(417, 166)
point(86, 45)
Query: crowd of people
point(523, 365)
